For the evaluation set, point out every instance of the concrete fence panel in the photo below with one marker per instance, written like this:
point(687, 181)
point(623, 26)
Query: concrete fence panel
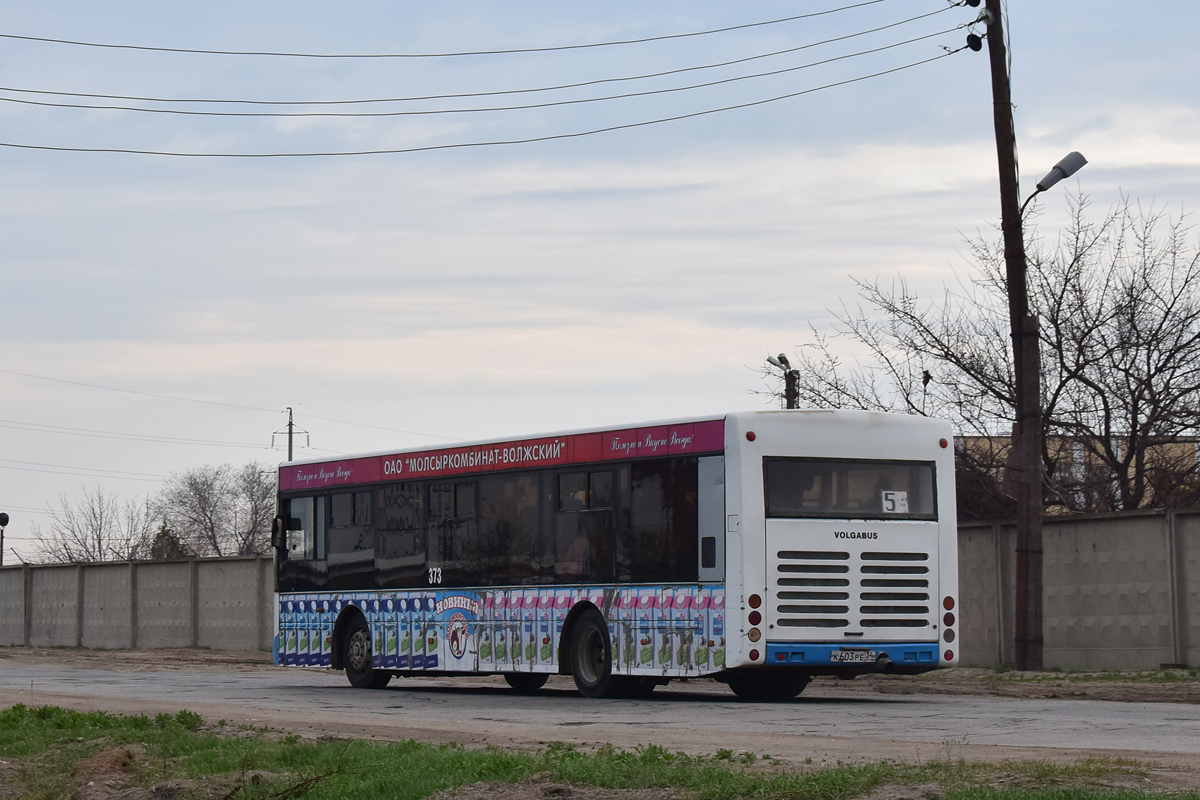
point(985, 569)
point(105, 601)
point(165, 604)
point(1187, 587)
point(52, 598)
point(227, 605)
point(12, 606)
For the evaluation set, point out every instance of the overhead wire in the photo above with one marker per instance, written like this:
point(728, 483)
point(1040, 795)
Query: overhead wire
point(67, 466)
point(466, 95)
point(214, 403)
point(433, 112)
point(493, 143)
point(506, 51)
point(69, 431)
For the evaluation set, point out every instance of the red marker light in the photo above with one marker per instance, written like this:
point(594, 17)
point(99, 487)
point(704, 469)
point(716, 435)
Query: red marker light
point(750, 437)
point(754, 655)
point(948, 655)
point(943, 443)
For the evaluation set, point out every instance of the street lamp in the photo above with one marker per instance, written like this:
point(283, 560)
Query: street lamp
point(790, 395)
point(1027, 432)
point(1071, 163)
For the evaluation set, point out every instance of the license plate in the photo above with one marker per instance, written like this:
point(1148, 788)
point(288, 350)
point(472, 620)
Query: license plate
point(853, 656)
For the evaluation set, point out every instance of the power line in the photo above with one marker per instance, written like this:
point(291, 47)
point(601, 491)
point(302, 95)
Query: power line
point(65, 466)
point(495, 143)
point(214, 403)
point(137, 437)
point(23, 509)
point(434, 112)
point(377, 427)
point(465, 95)
point(510, 51)
point(80, 474)
point(133, 391)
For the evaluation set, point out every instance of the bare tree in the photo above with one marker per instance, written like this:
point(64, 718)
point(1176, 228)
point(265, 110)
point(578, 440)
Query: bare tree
point(1119, 304)
point(220, 511)
point(97, 528)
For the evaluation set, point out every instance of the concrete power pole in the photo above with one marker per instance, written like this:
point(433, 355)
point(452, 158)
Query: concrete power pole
point(1027, 433)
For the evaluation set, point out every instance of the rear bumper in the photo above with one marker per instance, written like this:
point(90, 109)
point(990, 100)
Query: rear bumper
point(889, 657)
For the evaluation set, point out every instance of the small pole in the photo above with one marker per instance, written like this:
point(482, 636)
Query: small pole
point(790, 395)
point(291, 430)
point(3, 523)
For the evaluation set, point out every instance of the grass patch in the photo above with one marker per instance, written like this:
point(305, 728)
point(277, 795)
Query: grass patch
point(49, 751)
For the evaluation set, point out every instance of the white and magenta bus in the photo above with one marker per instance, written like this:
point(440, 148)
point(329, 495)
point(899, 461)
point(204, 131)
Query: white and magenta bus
point(758, 548)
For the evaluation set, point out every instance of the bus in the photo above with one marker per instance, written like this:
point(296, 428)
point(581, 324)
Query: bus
point(759, 549)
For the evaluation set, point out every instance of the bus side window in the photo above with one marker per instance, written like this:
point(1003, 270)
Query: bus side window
point(400, 535)
point(453, 546)
point(584, 526)
point(305, 535)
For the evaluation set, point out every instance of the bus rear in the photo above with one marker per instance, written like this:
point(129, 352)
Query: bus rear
point(847, 546)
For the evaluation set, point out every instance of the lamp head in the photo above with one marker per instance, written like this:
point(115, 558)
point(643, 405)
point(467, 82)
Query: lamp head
point(1070, 164)
point(774, 362)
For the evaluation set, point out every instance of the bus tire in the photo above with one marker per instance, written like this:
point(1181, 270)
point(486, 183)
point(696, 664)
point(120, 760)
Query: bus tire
point(357, 659)
point(767, 685)
point(591, 658)
point(526, 682)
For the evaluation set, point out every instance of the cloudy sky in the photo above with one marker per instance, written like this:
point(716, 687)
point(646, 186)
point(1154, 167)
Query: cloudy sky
point(159, 312)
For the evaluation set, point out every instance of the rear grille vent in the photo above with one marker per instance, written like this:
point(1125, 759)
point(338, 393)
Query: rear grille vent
point(832, 589)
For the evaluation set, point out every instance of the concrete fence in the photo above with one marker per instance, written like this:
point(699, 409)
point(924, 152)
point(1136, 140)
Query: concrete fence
point(221, 603)
point(1121, 592)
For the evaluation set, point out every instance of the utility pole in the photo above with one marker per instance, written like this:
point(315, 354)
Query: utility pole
point(1027, 433)
point(3, 525)
point(291, 431)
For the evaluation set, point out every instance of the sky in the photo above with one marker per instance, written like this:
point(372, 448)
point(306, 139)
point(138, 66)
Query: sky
point(159, 313)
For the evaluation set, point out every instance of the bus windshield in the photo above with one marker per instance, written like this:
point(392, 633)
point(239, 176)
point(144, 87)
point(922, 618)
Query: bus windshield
point(849, 489)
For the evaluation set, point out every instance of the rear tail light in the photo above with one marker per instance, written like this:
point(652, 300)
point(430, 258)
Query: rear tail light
point(754, 634)
point(948, 603)
point(948, 655)
point(948, 620)
point(754, 601)
point(754, 655)
point(755, 618)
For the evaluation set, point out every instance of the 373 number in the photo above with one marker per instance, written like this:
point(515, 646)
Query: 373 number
point(435, 575)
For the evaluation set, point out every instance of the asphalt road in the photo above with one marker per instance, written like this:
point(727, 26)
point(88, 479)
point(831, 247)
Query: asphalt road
point(824, 724)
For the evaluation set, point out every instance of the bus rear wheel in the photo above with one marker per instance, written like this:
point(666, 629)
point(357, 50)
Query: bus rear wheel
point(357, 658)
point(526, 682)
point(591, 658)
point(767, 685)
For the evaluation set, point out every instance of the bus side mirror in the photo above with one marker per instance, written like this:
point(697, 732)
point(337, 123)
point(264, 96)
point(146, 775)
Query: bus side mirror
point(277, 532)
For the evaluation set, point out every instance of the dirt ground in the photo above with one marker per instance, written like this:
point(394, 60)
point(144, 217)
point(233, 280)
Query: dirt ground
point(1129, 688)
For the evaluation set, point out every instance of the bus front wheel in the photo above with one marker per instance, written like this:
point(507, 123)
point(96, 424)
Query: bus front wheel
point(591, 658)
point(767, 685)
point(357, 658)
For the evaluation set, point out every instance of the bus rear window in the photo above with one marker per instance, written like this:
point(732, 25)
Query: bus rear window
point(849, 488)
